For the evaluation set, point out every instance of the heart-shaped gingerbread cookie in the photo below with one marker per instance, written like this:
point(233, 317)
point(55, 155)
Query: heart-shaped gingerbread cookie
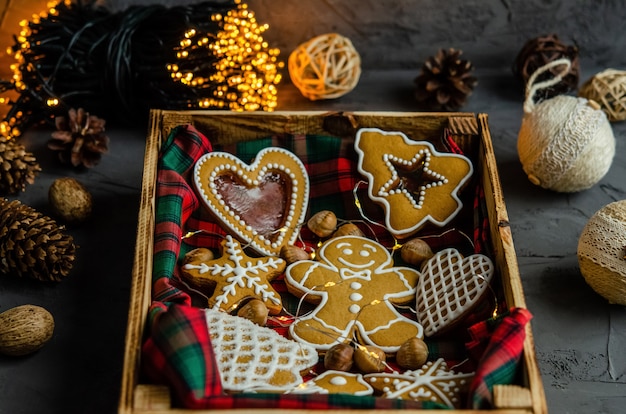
point(450, 287)
point(414, 183)
point(263, 203)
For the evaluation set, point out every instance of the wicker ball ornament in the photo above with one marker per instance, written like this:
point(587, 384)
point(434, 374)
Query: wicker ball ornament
point(607, 88)
point(565, 144)
point(602, 252)
point(325, 67)
point(540, 51)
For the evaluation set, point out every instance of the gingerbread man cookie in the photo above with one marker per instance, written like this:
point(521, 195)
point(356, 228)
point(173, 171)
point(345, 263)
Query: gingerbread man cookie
point(414, 183)
point(236, 276)
point(355, 285)
point(433, 382)
point(263, 203)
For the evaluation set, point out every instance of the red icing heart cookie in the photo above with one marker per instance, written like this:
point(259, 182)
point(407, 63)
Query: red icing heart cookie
point(413, 182)
point(262, 203)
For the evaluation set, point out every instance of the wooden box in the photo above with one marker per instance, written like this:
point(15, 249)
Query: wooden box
point(470, 132)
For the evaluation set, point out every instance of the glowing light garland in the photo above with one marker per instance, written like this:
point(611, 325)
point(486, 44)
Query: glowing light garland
point(210, 55)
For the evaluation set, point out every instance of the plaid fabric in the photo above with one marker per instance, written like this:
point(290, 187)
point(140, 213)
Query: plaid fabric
point(177, 349)
point(496, 346)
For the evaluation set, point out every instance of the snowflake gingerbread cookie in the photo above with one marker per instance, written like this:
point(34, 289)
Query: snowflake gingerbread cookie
point(433, 382)
point(236, 276)
point(355, 286)
point(414, 183)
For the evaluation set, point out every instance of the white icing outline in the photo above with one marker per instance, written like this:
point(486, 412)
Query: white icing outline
point(288, 233)
point(382, 192)
point(346, 274)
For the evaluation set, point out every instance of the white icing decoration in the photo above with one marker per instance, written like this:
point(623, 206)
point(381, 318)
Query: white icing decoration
point(338, 380)
point(356, 296)
point(354, 308)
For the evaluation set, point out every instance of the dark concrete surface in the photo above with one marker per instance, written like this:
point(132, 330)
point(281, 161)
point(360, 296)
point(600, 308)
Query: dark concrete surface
point(580, 339)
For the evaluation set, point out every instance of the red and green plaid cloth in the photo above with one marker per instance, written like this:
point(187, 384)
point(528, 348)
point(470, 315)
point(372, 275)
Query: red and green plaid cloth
point(177, 349)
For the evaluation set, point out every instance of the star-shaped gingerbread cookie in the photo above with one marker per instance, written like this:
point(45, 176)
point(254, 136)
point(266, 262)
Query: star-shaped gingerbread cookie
point(236, 276)
point(414, 183)
point(433, 382)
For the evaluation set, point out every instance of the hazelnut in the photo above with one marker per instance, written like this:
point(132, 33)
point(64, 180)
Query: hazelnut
point(348, 229)
point(415, 251)
point(339, 357)
point(291, 254)
point(322, 223)
point(255, 311)
point(412, 354)
point(200, 254)
point(369, 359)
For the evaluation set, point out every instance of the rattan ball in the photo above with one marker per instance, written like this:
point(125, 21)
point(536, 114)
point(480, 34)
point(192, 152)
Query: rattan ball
point(602, 252)
point(325, 67)
point(608, 88)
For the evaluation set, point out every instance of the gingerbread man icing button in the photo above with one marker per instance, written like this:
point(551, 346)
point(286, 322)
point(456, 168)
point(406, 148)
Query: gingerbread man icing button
point(236, 276)
point(414, 183)
point(355, 285)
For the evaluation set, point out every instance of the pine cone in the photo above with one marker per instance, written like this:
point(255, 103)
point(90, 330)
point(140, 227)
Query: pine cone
point(33, 245)
point(18, 167)
point(445, 81)
point(79, 138)
point(540, 51)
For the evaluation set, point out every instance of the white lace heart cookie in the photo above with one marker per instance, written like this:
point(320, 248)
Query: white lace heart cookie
point(252, 357)
point(414, 183)
point(450, 287)
point(263, 203)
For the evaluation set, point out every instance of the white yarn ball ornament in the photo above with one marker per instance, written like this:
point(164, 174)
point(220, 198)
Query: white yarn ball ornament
point(325, 67)
point(565, 144)
point(602, 252)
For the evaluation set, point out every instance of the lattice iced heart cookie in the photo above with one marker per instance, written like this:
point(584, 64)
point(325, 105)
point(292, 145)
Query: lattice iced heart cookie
point(254, 357)
point(413, 182)
point(236, 276)
point(433, 382)
point(450, 287)
point(262, 203)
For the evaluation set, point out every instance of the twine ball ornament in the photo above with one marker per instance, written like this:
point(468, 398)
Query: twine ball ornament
point(607, 88)
point(325, 67)
point(602, 252)
point(565, 143)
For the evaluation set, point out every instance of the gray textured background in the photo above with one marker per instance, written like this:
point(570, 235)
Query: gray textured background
point(580, 339)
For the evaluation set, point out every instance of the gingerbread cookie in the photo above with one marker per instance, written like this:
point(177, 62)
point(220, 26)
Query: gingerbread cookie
point(450, 287)
point(413, 182)
point(433, 382)
point(235, 276)
point(355, 285)
point(335, 382)
point(254, 357)
point(263, 203)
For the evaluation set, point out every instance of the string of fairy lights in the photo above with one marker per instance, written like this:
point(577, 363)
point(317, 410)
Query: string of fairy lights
point(210, 55)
